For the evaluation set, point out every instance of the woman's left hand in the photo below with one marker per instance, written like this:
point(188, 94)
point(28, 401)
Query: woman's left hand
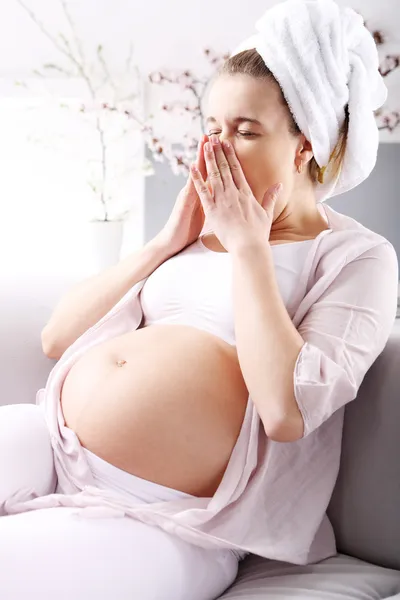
point(232, 211)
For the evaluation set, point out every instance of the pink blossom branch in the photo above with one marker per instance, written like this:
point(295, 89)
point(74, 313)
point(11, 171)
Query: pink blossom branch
point(390, 121)
point(196, 87)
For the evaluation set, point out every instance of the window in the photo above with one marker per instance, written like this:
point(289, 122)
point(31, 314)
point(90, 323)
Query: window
point(48, 154)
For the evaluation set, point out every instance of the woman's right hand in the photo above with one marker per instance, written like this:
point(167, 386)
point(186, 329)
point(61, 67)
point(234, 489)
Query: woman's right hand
point(187, 217)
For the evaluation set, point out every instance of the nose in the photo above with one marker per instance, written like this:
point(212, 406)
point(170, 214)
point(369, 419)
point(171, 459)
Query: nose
point(224, 138)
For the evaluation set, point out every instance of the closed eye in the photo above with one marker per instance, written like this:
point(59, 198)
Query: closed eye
point(242, 133)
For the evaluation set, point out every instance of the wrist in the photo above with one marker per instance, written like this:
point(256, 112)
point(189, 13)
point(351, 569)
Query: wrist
point(251, 249)
point(160, 247)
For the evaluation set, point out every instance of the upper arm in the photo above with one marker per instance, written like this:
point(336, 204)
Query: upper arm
point(344, 333)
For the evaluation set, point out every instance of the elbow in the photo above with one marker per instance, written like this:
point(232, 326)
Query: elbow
point(286, 429)
point(48, 346)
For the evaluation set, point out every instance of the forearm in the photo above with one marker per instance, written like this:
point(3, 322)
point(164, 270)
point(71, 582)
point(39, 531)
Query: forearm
point(88, 301)
point(267, 342)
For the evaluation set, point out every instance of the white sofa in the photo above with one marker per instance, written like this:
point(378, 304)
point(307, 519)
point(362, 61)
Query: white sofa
point(365, 508)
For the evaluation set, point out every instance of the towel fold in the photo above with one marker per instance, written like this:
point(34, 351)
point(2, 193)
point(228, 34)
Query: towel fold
point(324, 58)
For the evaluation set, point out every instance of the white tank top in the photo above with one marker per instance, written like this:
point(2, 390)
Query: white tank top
point(194, 287)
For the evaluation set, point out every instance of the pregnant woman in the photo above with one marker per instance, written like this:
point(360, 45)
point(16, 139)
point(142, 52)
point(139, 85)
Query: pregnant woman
point(195, 411)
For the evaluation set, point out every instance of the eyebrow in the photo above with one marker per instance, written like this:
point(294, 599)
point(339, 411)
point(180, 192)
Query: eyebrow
point(236, 121)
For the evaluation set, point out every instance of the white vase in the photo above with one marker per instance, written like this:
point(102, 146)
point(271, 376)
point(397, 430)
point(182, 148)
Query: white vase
point(105, 241)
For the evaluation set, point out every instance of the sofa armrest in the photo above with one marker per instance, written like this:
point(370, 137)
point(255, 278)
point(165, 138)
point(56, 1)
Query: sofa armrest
point(364, 509)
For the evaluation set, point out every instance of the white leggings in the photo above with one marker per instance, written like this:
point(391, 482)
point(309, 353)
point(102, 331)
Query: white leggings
point(47, 553)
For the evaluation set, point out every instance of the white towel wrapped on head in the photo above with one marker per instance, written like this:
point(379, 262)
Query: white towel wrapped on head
point(324, 57)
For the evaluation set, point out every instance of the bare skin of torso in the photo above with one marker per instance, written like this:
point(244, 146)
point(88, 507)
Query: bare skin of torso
point(165, 404)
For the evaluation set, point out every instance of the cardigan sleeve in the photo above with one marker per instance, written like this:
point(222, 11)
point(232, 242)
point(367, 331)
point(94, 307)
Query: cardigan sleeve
point(344, 332)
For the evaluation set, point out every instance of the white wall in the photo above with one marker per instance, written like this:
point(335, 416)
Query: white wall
point(164, 33)
point(41, 193)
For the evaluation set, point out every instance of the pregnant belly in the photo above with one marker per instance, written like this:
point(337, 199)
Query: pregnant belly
point(170, 413)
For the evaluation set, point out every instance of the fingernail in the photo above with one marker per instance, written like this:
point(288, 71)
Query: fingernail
point(277, 188)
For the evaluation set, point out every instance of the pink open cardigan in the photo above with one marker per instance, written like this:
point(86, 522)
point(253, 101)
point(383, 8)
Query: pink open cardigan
point(273, 497)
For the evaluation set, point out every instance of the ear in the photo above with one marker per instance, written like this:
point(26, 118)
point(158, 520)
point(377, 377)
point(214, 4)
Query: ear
point(304, 150)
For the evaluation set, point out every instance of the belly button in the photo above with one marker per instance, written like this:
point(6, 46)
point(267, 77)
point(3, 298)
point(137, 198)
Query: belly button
point(120, 363)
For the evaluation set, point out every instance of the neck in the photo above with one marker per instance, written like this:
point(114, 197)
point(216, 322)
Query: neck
point(298, 217)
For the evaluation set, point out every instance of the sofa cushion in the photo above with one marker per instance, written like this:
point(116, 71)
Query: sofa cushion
point(26, 303)
point(365, 506)
point(340, 578)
